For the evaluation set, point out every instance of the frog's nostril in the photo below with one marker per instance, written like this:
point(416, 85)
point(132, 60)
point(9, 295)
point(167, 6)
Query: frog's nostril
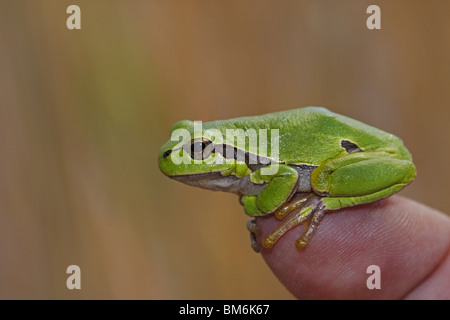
point(166, 154)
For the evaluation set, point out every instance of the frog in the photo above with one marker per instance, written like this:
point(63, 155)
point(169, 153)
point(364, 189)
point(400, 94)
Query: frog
point(316, 161)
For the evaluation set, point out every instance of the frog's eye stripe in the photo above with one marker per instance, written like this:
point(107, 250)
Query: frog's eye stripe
point(202, 148)
point(253, 161)
point(350, 147)
point(167, 153)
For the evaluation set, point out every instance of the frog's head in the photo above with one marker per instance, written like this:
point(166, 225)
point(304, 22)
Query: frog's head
point(192, 155)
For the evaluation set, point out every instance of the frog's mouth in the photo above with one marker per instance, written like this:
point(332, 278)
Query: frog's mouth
point(209, 180)
point(217, 182)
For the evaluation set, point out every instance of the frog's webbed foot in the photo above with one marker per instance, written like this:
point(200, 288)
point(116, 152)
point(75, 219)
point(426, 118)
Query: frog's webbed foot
point(308, 210)
point(254, 231)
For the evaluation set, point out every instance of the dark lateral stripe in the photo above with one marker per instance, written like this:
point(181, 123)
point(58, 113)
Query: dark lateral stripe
point(253, 161)
point(303, 167)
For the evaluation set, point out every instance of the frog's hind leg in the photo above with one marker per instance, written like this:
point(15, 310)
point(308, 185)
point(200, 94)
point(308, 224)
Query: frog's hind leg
point(291, 206)
point(310, 228)
point(309, 212)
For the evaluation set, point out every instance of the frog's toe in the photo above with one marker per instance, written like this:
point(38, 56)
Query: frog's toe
point(293, 205)
point(254, 244)
point(301, 244)
point(252, 227)
point(310, 227)
point(254, 231)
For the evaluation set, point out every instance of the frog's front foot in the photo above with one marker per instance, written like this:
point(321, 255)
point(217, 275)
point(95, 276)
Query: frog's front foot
point(254, 231)
point(250, 207)
point(308, 210)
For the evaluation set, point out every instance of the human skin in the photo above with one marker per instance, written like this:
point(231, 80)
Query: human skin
point(409, 241)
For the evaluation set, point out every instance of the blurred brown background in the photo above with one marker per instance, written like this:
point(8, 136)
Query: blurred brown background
point(83, 114)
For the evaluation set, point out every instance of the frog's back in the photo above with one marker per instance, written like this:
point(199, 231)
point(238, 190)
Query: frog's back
point(312, 135)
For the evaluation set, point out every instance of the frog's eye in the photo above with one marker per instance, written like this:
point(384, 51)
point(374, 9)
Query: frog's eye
point(200, 149)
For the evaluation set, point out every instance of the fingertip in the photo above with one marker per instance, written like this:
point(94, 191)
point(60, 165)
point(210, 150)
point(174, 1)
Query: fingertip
point(334, 263)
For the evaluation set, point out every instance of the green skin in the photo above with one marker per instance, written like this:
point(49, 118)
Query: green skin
point(326, 162)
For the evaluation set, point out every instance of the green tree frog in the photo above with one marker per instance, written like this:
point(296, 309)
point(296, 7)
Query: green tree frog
point(295, 164)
